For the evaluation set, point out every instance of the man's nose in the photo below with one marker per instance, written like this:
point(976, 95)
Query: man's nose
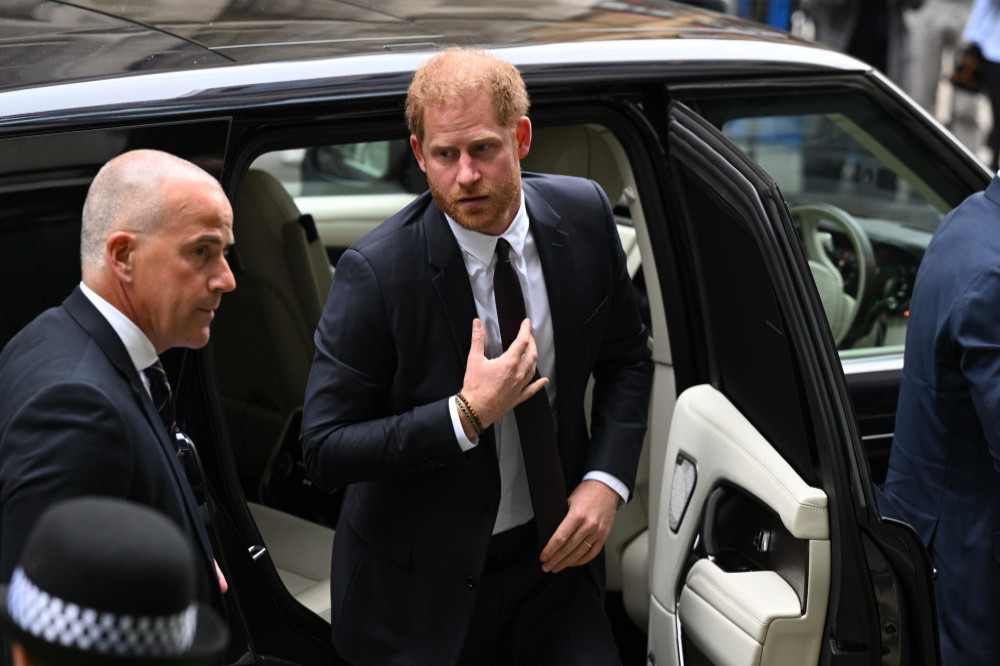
point(468, 171)
point(225, 280)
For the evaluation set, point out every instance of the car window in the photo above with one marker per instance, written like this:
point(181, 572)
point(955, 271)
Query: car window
point(43, 182)
point(348, 189)
point(865, 196)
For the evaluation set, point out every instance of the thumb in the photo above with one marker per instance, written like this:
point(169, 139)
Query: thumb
point(478, 339)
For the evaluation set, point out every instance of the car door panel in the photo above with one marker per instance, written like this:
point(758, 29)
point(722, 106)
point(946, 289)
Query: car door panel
point(733, 609)
point(759, 558)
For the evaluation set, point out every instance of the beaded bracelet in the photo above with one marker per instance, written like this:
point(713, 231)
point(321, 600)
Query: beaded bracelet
point(470, 414)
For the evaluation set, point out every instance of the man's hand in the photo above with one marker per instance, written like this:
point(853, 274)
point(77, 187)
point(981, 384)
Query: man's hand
point(592, 508)
point(495, 386)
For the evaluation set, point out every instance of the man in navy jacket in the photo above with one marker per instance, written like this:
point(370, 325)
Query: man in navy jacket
point(944, 467)
point(409, 401)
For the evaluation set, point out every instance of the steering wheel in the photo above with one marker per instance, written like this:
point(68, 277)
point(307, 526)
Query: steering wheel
point(841, 308)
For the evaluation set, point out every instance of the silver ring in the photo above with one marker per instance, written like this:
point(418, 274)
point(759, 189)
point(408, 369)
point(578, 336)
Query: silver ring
point(588, 544)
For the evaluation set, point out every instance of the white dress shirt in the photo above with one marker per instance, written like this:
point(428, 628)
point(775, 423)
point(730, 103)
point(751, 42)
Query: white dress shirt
point(983, 28)
point(479, 254)
point(139, 347)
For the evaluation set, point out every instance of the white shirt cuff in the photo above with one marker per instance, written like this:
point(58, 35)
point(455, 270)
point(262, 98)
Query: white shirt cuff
point(611, 482)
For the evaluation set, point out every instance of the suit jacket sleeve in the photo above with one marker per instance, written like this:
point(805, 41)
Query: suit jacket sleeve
point(974, 328)
point(66, 441)
point(623, 373)
point(350, 429)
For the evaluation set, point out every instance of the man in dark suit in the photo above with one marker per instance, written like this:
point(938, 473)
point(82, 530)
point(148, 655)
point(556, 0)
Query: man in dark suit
point(449, 549)
point(76, 413)
point(944, 466)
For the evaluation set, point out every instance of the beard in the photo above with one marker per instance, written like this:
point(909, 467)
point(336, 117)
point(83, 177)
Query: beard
point(502, 201)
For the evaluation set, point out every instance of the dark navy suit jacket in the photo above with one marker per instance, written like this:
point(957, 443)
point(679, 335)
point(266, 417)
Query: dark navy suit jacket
point(76, 420)
point(391, 352)
point(944, 467)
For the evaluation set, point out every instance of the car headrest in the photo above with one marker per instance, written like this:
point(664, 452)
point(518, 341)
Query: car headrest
point(579, 150)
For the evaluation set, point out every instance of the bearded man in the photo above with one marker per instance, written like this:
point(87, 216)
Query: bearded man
point(448, 388)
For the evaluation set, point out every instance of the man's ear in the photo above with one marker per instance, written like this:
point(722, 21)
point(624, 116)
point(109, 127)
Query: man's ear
point(417, 152)
point(523, 134)
point(119, 254)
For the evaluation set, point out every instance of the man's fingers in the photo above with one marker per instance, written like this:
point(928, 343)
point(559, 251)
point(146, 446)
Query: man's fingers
point(523, 333)
point(555, 556)
point(478, 339)
point(532, 388)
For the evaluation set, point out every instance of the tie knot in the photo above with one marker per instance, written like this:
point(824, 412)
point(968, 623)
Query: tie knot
point(159, 385)
point(503, 250)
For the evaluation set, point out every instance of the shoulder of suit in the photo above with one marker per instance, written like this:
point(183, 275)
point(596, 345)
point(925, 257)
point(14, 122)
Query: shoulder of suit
point(45, 357)
point(563, 192)
point(404, 221)
point(549, 181)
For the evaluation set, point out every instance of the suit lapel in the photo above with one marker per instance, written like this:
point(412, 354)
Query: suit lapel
point(451, 281)
point(90, 319)
point(553, 252)
point(85, 314)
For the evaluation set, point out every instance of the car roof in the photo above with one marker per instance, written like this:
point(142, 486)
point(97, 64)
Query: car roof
point(229, 45)
point(44, 41)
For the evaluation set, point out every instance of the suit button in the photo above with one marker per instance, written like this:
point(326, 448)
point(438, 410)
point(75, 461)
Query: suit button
point(470, 582)
point(488, 509)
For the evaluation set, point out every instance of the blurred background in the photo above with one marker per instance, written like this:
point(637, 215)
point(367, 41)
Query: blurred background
point(939, 51)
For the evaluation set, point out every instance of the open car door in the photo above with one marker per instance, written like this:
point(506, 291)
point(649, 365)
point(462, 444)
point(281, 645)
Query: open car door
point(769, 547)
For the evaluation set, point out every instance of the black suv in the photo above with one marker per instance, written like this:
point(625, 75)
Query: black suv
point(774, 199)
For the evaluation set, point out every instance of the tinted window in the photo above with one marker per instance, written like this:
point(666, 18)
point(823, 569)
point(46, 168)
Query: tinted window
point(746, 331)
point(43, 182)
point(866, 194)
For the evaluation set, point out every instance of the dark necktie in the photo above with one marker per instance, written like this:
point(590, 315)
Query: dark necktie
point(159, 389)
point(535, 426)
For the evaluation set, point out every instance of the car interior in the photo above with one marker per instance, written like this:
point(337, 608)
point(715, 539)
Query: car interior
point(298, 207)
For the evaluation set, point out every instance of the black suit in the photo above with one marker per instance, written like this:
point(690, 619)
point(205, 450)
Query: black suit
point(391, 352)
point(76, 420)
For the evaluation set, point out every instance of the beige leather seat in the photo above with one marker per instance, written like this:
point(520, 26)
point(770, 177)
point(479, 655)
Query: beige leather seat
point(263, 338)
point(263, 341)
point(577, 150)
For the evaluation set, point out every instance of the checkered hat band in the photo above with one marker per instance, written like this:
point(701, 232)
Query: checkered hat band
point(67, 624)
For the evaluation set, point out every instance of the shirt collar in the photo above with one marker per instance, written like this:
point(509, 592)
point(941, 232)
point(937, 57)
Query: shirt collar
point(483, 246)
point(139, 347)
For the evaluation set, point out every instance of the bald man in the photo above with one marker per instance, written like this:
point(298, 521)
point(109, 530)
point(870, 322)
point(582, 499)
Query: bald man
point(76, 413)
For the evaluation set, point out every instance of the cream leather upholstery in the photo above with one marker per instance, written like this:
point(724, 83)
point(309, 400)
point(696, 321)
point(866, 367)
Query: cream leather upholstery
point(838, 306)
point(301, 552)
point(736, 618)
point(263, 338)
point(578, 150)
